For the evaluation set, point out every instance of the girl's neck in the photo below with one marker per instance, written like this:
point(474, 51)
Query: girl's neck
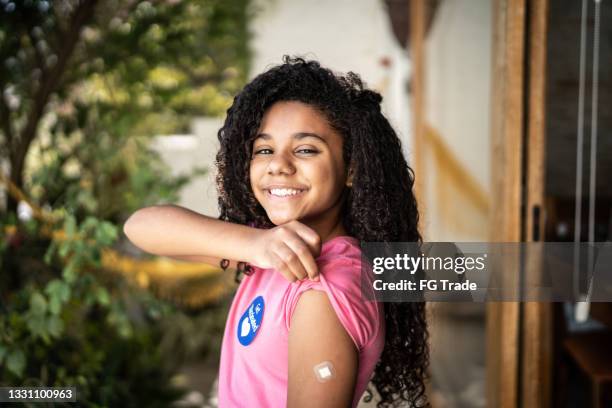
point(327, 232)
point(329, 225)
point(339, 231)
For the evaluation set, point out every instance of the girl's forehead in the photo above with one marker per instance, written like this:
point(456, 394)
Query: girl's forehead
point(293, 113)
point(291, 118)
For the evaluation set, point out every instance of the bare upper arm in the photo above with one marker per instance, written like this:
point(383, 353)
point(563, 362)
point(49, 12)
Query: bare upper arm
point(317, 335)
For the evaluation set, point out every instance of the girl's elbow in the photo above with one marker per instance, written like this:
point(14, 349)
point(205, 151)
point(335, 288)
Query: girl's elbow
point(128, 227)
point(134, 221)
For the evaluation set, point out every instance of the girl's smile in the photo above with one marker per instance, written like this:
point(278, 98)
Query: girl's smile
point(297, 171)
point(282, 192)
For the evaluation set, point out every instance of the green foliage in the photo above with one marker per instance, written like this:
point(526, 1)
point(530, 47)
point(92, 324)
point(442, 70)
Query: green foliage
point(84, 86)
point(85, 329)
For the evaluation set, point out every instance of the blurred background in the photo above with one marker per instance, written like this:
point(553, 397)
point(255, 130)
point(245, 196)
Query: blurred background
point(109, 106)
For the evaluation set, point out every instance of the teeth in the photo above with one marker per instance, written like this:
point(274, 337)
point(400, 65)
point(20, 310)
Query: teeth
point(283, 192)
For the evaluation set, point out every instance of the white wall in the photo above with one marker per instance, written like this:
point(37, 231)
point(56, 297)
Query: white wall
point(458, 81)
point(183, 153)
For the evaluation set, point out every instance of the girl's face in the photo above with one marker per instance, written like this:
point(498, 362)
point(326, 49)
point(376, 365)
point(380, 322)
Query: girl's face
point(297, 171)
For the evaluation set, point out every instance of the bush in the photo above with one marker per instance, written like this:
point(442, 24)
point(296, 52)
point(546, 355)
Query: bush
point(73, 326)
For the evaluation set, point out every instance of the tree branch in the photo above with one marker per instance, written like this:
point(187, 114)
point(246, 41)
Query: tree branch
point(40, 58)
point(81, 16)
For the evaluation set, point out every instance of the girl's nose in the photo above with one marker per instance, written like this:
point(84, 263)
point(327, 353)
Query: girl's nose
point(279, 163)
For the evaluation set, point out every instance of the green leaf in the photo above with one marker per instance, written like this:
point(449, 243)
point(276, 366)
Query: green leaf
point(49, 254)
point(106, 233)
point(70, 226)
point(87, 200)
point(15, 362)
point(70, 272)
point(55, 305)
point(37, 326)
point(102, 296)
point(90, 224)
point(38, 304)
point(59, 289)
point(64, 248)
point(59, 293)
point(55, 326)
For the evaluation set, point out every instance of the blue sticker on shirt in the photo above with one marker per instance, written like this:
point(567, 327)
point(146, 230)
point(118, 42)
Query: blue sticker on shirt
point(249, 323)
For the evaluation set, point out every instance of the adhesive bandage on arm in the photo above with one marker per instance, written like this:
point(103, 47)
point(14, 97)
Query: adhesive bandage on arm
point(324, 371)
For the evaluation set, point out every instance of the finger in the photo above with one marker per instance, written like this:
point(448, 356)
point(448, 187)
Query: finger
point(291, 260)
point(309, 236)
point(306, 259)
point(281, 267)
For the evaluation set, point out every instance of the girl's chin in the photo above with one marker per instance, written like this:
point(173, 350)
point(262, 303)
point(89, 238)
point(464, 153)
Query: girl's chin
point(280, 220)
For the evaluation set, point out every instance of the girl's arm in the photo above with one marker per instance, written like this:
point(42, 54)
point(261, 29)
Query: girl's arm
point(180, 233)
point(318, 339)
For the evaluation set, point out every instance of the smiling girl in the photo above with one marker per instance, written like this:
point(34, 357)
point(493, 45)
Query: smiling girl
point(308, 167)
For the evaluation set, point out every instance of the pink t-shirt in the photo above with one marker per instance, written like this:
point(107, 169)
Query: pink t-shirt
point(254, 353)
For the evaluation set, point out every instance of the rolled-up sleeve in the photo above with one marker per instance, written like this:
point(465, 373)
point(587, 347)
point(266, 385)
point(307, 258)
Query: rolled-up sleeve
point(340, 279)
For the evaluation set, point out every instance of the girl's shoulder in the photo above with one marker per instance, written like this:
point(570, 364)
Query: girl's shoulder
point(340, 277)
point(340, 259)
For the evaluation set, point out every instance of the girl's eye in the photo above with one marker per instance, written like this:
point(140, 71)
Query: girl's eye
point(308, 151)
point(267, 151)
point(261, 151)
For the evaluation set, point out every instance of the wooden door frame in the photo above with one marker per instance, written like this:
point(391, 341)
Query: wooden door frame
point(418, 17)
point(536, 324)
point(507, 107)
point(519, 336)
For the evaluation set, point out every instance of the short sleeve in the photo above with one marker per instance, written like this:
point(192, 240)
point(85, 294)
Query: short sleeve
point(340, 279)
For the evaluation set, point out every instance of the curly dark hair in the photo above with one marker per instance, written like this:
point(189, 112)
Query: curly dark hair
point(380, 206)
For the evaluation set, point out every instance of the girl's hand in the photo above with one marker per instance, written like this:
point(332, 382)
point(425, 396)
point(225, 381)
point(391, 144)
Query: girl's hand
point(290, 248)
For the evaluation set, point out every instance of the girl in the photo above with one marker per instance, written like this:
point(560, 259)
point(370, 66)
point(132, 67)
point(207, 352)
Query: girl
point(308, 167)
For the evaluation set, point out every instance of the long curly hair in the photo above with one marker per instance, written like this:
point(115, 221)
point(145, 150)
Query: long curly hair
point(380, 206)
